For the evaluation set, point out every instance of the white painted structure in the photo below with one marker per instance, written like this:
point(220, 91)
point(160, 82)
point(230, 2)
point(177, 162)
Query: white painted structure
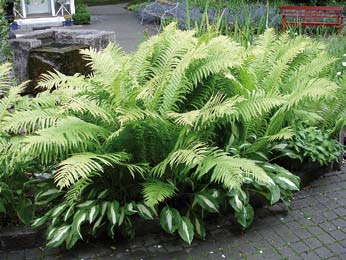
point(47, 7)
point(43, 12)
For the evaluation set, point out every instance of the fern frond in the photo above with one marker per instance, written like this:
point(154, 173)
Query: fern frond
point(230, 171)
point(5, 81)
point(70, 135)
point(218, 107)
point(156, 191)
point(28, 121)
point(56, 79)
point(257, 105)
point(88, 105)
point(190, 155)
point(312, 90)
point(85, 165)
point(7, 101)
point(74, 193)
point(106, 62)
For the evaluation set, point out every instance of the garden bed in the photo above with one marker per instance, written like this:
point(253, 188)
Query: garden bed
point(24, 237)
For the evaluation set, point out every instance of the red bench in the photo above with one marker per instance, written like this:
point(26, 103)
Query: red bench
point(329, 16)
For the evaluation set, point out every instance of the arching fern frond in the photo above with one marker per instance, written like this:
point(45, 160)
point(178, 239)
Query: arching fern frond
point(28, 121)
point(56, 79)
point(218, 107)
point(156, 191)
point(70, 135)
point(85, 165)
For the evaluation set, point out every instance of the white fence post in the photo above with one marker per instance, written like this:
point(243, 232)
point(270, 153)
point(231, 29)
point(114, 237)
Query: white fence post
point(22, 3)
point(72, 7)
point(52, 6)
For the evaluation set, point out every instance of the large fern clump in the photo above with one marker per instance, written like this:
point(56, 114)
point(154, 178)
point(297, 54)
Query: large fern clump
point(182, 128)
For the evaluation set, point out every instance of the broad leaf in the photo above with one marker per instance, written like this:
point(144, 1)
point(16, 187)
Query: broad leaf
point(94, 211)
point(40, 221)
point(71, 239)
point(25, 211)
point(86, 204)
point(199, 227)
point(185, 230)
point(130, 208)
point(285, 183)
point(207, 202)
point(146, 212)
point(113, 212)
point(69, 213)
point(245, 216)
point(58, 210)
point(103, 194)
point(78, 220)
point(58, 236)
point(170, 219)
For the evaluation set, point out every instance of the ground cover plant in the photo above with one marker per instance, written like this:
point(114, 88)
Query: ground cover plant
point(184, 128)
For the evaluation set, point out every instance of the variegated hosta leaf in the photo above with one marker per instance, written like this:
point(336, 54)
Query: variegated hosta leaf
point(97, 225)
point(58, 236)
point(86, 204)
point(69, 213)
point(146, 212)
point(285, 182)
point(245, 216)
point(58, 210)
point(186, 230)
point(130, 208)
point(113, 212)
point(44, 197)
point(170, 219)
point(78, 220)
point(207, 202)
point(103, 194)
point(50, 232)
point(121, 216)
point(103, 208)
point(71, 239)
point(40, 221)
point(93, 213)
point(236, 203)
point(199, 227)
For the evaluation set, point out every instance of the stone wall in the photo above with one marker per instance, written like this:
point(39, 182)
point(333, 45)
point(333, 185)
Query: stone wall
point(24, 44)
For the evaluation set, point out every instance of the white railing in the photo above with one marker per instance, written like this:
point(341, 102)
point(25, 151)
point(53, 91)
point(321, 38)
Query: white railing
point(61, 8)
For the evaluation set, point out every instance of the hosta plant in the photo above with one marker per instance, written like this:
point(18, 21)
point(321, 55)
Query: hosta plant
point(181, 129)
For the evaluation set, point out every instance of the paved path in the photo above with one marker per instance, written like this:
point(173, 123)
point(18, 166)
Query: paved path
point(126, 24)
point(315, 228)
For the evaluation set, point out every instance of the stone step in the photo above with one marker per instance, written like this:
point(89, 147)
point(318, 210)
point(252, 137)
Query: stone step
point(29, 23)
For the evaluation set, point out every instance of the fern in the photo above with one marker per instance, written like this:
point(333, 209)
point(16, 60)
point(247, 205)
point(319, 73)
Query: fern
point(156, 191)
point(85, 165)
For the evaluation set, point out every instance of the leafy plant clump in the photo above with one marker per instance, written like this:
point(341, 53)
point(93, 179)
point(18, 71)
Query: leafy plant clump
point(312, 144)
point(182, 129)
point(82, 15)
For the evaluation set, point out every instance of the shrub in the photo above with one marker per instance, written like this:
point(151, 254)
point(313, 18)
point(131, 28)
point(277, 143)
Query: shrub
point(82, 15)
point(181, 129)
